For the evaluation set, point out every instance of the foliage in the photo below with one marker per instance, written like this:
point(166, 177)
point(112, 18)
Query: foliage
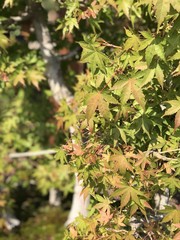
point(44, 225)
point(126, 113)
point(127, 140)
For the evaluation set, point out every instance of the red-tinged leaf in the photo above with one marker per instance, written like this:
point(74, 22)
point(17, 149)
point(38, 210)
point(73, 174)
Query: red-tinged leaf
point(105, 216)
point(91, 125)
point(177, 120)
point(121, 163)
point(133, 209)
point(177, 236)
point(138, 95)
point(177, 225)
point(146, 204)
point(73, 232)
point(77, 150)
point(126, 92)
point(85, 193)
point(103, 107)
point(92, 105)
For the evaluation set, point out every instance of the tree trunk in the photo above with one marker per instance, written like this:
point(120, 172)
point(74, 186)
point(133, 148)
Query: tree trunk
point(59, 90)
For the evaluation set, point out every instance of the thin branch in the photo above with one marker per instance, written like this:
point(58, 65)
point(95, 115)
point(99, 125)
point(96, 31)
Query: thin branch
point(32, 154)
point(159, 155)
point(23, 17)
point(173, 150)
point(69, 55)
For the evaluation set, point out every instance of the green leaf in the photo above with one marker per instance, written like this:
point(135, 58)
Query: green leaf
point(110, 99)
point(153, 50)
point(150, 53)
point(173, 215)
point(123, 135)
point(92, 54)
point(159, 75)
point(159, 50)
point(125, 5)
point(148, 76)
point(4, 41)
point(125, 191)
point(162, 7)
point(175, 107)
point(176, 56)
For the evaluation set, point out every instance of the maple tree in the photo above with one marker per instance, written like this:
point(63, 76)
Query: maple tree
point(125, 114)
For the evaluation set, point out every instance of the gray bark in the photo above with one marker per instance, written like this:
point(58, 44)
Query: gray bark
point(53, 67)
point(59, 90)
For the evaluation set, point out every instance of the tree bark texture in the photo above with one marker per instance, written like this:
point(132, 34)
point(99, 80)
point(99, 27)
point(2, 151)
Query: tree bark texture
point(59, 90)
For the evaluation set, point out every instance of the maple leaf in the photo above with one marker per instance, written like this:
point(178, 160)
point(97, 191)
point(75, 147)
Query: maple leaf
point(172, 215)
point(128, 88)
point(175, 107)
point(19, 78)
point(121, 163)
point(92, 53)
point(105, 216)
point(162, 7)
point(159, 75)
point(138, 95)
point(103, 107)
point(92, 105)
point(85, 193)
point(77, 150)
point(125, 5)
point(34, 76)
point(128, 193)
point(143, 161)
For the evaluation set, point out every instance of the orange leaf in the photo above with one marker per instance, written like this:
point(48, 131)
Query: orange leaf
point(92, 105)
point(177, 120)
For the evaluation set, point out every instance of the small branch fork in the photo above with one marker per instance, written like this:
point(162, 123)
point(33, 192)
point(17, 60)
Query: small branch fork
point(160, 156)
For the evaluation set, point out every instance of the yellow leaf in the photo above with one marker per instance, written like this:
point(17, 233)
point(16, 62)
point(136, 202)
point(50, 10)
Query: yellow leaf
point(8, 3)
point(103, 107)
point(19, 78)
